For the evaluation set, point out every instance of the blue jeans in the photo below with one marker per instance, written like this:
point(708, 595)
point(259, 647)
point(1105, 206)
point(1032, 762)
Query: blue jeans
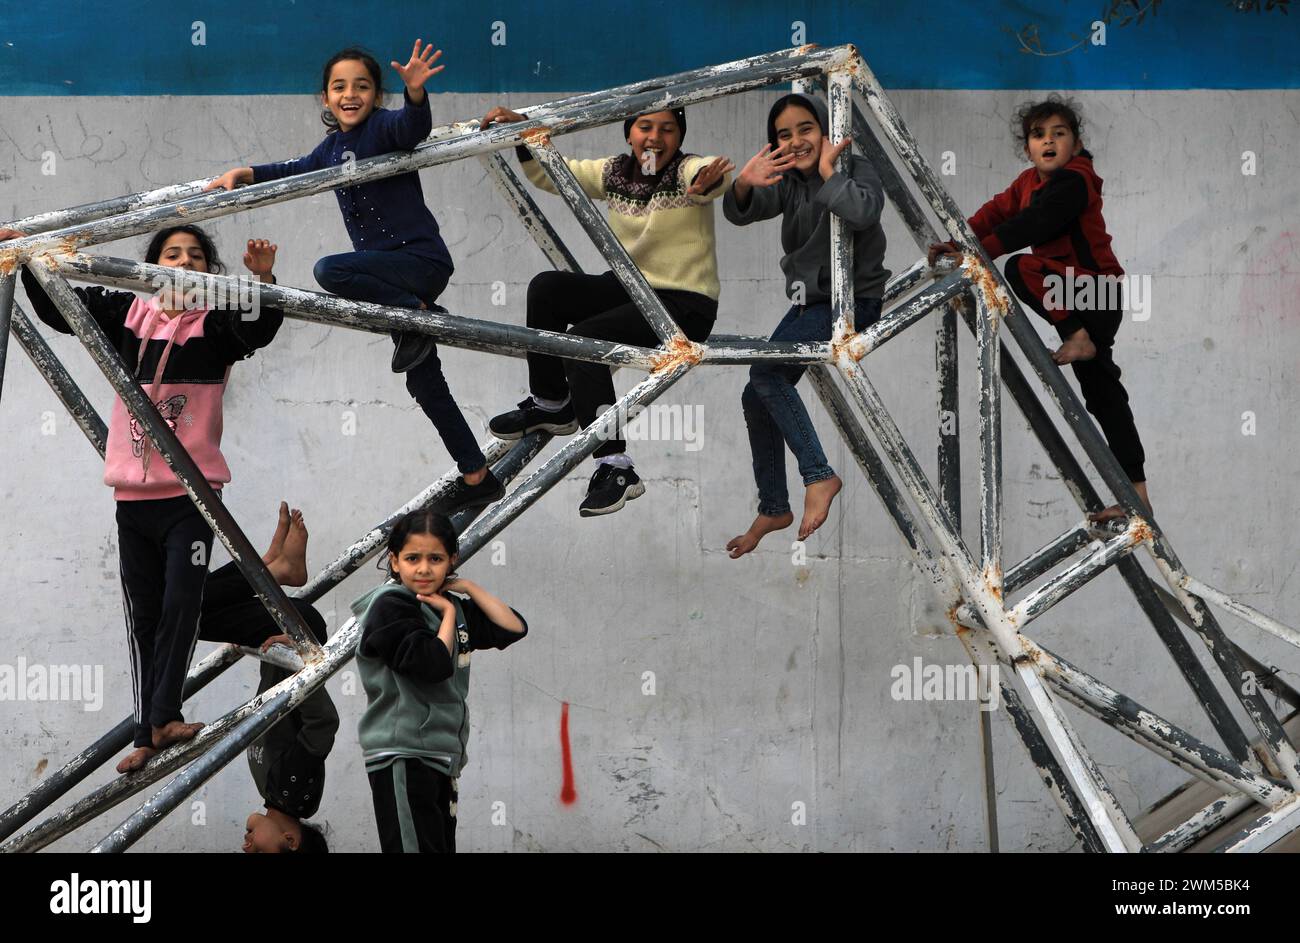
point(775, 415)
point(403, 280)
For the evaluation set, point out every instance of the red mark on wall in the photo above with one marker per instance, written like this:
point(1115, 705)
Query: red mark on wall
point(568, 795)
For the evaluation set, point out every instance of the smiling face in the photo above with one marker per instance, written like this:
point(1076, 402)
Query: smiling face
point(799, 133)
point(1051, 145)
point(423, 564)
point(655, 138)
point(350, 93)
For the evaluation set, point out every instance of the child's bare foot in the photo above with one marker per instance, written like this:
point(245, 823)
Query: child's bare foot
point(290, 567)
point(763, 525)
point(1078, 346)
point(1115, 511)
point(817, 498)
point(277, 539)
point(174, 732)
point(136, 759)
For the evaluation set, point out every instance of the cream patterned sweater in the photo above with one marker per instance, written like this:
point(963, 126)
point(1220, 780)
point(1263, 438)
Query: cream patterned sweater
point(667, 231)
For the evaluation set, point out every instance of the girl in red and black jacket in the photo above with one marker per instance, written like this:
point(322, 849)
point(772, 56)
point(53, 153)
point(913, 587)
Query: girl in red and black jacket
point(182, 354)
point(1070, 277)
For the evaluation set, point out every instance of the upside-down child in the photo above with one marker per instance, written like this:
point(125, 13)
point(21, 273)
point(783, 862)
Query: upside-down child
point(794, 177)
point(660, 210)
point(414, 658)
point(399, 257)
point(182, 355)
point(1054, 207)
point(288, 761)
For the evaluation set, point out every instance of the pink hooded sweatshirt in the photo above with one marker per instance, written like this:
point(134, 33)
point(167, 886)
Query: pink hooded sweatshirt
point(183, 363)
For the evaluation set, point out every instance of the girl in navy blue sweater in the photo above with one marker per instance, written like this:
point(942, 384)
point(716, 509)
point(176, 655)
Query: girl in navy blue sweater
point(400, 258)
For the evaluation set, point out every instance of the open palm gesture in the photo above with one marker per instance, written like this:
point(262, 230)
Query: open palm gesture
point(419, 68)
point(709, 176)
point(765, 167)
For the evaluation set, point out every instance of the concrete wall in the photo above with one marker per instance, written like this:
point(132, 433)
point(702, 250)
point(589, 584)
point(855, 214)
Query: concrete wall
point(772, 675)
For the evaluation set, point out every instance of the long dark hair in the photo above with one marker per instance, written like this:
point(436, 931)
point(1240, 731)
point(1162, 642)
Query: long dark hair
point(421, 522)
point(372, 66)
point(154, 252)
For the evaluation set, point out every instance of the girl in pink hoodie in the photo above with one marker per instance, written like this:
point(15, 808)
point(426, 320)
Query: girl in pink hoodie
point(182, 354)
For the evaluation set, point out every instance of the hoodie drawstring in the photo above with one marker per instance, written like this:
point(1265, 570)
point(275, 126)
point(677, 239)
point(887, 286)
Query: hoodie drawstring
point(147, 443)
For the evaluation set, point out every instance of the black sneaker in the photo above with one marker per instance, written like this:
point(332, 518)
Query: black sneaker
point(530, 417)
point(611, 487)
point(412, 350)
point(464, 497)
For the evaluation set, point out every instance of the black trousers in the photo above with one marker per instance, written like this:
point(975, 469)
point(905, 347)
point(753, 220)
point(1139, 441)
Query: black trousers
point(598, 306)
point(415, 808)
point(231, 612)
point(163, 551)
point(1099, 378)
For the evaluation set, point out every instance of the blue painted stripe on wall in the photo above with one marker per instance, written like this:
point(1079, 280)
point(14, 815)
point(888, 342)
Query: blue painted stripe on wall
point(134, 47)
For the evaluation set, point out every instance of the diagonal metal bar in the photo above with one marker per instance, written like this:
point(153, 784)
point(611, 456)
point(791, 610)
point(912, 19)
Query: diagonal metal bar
point(745, 349)
point(102, 750)
point(595, 225)
point(873, 469)
point(1266, 677)
point(940, 575)
point(342, 646)
point(1070, 470)
point(1203, 822)
point(1241, 610)
point(94, 804)
point(1263, 831)
point(573, 452)
point(1143, 588)
point(86, 212)
point(7, 284)
point(1074, 577)
point(359, 551)
point(106, 797)
point(170, 450)
point(905, 315)
point(1163, 737)
point(59, 380)
point(1077, 575)
point(274, 704)
point(321, 308)
point(1204, 623)
point(1107, 816)
point(567, 116)
point(530, 214)
point(1040, 754)
point(1046, 557)
point(1086, 432)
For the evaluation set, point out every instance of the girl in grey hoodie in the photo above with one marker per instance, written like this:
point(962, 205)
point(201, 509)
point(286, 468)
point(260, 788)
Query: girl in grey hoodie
point(794, 177)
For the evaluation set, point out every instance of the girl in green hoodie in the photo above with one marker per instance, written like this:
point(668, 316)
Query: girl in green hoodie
point(413, 659)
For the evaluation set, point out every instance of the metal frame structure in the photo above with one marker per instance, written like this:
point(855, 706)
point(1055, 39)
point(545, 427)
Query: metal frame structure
point(972, 581)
